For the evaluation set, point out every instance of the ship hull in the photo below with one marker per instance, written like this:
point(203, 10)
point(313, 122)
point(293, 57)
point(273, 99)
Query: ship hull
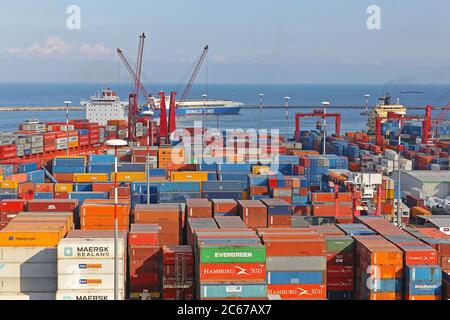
point(182, 112)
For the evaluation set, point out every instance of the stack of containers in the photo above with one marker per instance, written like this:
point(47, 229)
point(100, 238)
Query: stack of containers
point(379, 269)
point(230, 265)
point(338, 205)
point(296, 264)
point(178, 273)
point(98, 214)
point(225, 207)
point(145, 260)
point(86, 265)
point(422, 275)
point(340, 250)
point(167, 216)
point(253, 213)
point(28, 258)
point(279, 214)
point(258, 186)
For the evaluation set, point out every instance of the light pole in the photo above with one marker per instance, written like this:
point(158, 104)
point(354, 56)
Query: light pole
point(67, 103)
point(204, 107)
point(149, 114)
point(286, 99)
point(325, 104)
point(399, 196)
point(261, 95)
point(116, 143)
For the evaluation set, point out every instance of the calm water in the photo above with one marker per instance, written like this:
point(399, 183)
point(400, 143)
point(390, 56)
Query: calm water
point(301, 95)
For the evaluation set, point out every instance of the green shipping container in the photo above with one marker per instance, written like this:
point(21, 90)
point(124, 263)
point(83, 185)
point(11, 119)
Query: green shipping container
point(225, 254)
point(341, 244)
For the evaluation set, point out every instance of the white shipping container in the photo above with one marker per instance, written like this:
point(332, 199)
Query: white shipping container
point(28, 270)
point(28, 296)
point(89, 266)
point(20, 285)
point(28, 254)
point(87, 295)
point(88, 281)
point(98, 248)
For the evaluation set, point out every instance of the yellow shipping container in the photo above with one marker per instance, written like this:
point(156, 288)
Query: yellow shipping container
point(90, 177)
point(390, 194)
point(260, 169)
point(9, 184)
point(419, 211)
point(73, 144)
point(63, 187)
point(128, 176)
point(244, 195)
point(1, 177)
point(41, 238)
point(189, 176)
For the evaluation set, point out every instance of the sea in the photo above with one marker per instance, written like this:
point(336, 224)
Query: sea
point(303, 98)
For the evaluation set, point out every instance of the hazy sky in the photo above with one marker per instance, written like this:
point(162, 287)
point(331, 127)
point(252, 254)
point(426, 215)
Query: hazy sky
point(311, 41)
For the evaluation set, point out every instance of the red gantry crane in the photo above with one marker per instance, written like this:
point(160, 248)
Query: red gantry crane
point(133, 106)
point(317, 113)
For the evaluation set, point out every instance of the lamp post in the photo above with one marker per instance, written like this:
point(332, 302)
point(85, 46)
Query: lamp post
point(286, 99)
point(261, 95)
point(67, 103)
point(325, 104)
point(149, 114)
point(399, 195)
point(116, 143)
point(205, 96)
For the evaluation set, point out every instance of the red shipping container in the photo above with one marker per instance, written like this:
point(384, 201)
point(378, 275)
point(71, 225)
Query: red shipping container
point(12, 205)
point(340, 284)
point(144, 235)
point(55, 205)
point(198, 208)
point(297, 291)
point(178, 294)
point(253, 213)
point(340, 259)
point(150, 281)
point(279, 221)
point(340, 271)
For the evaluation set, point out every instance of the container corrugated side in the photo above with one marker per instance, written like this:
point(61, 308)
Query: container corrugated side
point(296, 263)
point(233, 291)
point(28, 270)
point(20, 285)
point(218, 254)
point(29, 254)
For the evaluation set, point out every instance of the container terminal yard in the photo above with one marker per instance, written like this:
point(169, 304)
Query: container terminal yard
point(265, 217)
point(124, 205)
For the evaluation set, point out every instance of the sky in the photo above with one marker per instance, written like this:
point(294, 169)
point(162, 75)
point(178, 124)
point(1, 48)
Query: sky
point(250, 41)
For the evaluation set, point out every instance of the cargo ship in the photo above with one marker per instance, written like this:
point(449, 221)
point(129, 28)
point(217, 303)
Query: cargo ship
point(381, 110)
point(105, 106)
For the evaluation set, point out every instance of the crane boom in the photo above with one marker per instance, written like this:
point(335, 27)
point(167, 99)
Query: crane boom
point(188, 87)
point(143, 90)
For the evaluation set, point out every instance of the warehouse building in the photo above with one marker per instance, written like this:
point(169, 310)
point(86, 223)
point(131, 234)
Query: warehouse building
point(426, 183)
